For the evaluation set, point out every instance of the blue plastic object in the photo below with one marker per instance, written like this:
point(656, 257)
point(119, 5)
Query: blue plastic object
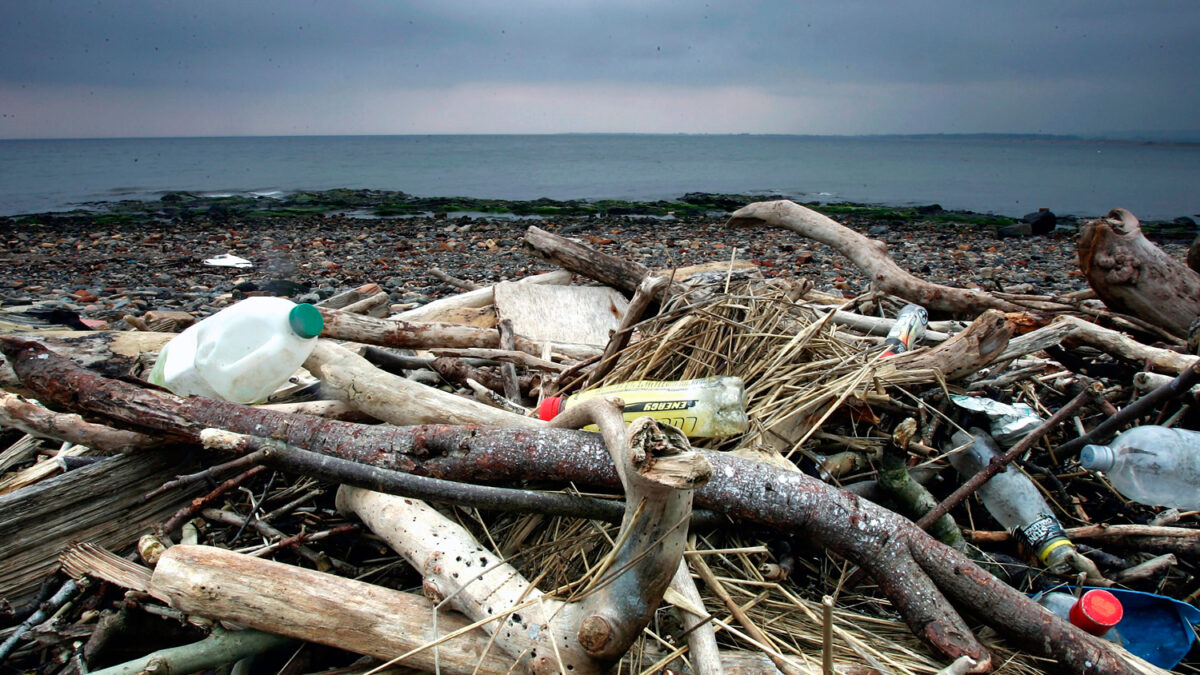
point(1154, 627)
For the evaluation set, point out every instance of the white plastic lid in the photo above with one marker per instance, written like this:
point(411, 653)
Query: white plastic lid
point(1097, 457)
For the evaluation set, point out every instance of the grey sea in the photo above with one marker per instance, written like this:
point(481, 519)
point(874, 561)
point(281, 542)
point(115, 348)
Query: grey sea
point(1004, 175)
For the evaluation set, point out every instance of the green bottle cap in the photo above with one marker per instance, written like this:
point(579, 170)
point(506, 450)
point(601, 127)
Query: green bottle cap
point(306, 320)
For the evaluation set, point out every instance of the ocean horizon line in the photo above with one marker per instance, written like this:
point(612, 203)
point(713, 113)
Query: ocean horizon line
point(986, 173)
point(1190, 137)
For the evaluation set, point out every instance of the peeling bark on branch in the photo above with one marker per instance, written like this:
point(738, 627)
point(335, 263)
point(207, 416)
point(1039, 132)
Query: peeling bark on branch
point(870, 256)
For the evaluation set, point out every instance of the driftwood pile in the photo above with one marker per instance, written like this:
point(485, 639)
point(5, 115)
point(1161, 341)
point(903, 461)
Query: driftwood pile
point(399, 509)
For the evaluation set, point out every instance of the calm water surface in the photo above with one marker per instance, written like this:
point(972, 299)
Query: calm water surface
point(1002, 175)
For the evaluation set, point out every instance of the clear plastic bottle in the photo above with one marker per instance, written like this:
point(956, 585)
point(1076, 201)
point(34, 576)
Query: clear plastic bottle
point(710, 407)
point(1097, 611)
point(242, 353)
point(1151, 464)
point(1013, 500)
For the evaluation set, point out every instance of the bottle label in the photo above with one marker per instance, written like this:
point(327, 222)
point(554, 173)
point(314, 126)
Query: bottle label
point(1041, 536)
point(712, 407)
point(659, 406)
point(907, 331)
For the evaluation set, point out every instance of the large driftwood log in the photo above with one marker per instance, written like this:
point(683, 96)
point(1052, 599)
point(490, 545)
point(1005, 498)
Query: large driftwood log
point(1132, 275)
point(911, 568)
point(320, 608)
point(870, 256)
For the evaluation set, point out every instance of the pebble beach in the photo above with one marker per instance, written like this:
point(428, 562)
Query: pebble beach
point(104, 270)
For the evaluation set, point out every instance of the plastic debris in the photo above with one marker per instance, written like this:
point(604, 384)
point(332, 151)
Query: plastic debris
point(228, 260)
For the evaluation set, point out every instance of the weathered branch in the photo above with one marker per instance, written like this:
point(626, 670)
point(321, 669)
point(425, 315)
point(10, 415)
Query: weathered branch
point(870, 256)
point(1068, 328)
point(60, 382)
point(288, 458)
point(482, 297)
point(621, 274)
point(395, 399)
point(1132, 275)
point(219, 648)
point(318, 607)
point(34, 419)
point(910, 566)
point(111, 353)
point(646, 291)
point(581, 635)
point(961, 354)
point(703, 651)
point(340, 325)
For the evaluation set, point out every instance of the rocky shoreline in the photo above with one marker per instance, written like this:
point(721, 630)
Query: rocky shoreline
point(131, 257)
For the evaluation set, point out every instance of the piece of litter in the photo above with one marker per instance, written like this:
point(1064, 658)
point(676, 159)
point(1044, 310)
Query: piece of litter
point(228, 260)
point(1010, 423)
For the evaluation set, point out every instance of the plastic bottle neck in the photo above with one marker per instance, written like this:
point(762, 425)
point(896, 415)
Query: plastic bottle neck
point(1097, 457)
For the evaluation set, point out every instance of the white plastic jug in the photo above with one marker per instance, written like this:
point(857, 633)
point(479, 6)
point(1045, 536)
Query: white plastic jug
point(242, 353)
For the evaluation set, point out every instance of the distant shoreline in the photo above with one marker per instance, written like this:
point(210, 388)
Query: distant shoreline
point(1002, 175)
point(1186, 138)
point(370, 205)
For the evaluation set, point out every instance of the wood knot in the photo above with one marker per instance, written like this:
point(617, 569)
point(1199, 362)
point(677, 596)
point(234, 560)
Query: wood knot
point(595, 634)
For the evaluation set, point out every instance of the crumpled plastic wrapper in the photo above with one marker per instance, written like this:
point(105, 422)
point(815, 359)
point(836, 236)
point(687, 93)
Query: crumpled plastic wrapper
point(1009, 422)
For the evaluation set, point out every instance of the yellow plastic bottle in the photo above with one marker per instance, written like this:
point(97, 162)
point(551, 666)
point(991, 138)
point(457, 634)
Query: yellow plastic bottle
point(710, 407)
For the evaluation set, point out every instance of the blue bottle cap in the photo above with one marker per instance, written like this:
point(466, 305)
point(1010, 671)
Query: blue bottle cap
point(1097, 457)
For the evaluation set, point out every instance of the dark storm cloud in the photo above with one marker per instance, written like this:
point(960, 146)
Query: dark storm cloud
point(898, 56)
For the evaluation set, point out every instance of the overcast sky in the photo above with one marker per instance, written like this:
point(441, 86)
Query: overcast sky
point(234, 67)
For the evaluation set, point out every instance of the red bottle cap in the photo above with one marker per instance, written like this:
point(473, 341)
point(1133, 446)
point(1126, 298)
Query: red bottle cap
point(1097, 611)
point(549, 407)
